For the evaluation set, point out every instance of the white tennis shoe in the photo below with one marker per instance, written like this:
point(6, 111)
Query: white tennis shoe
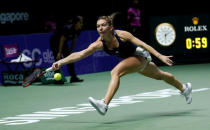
point(187, 92)
point(99, 105)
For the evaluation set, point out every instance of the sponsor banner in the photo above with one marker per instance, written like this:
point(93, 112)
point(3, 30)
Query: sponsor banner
point(12, 78)
point(10, 50)
point(37, 47)
point(13, 17)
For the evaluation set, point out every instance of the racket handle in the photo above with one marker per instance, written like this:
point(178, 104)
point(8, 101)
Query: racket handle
point(48, 69)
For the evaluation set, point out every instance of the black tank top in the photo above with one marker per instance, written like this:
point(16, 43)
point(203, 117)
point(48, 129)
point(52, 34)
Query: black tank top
point(125, 49)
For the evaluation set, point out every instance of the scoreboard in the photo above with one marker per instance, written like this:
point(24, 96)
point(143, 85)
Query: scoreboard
point(187, 38)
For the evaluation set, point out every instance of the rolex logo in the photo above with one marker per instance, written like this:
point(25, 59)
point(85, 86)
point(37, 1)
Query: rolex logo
point(195, 20)
point(195, 27)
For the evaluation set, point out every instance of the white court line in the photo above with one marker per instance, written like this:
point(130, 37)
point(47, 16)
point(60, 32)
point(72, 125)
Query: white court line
point(86, 107)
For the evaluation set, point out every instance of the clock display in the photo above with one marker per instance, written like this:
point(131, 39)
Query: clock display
point(197, 42)
point(186, 37)
point(165, 34)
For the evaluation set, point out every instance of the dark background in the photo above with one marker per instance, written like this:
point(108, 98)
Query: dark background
point(40, 11)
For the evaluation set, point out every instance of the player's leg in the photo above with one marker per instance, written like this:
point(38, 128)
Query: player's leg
point(154, 72)
point(128, 65)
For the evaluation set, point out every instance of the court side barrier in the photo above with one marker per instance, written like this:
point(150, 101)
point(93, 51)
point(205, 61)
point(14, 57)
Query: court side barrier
point(37, 46)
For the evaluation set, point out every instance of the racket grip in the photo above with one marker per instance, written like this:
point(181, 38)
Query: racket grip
point(48, 69)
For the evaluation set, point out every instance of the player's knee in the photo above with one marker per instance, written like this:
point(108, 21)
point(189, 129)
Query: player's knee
point(115, 72)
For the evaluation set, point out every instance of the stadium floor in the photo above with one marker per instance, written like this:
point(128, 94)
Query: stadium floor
point(140, 103)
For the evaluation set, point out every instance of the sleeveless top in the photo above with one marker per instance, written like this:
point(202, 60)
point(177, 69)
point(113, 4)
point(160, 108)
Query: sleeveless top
point(124, 50)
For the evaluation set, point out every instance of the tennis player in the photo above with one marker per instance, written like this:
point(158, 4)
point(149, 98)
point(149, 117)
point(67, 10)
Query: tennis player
point(135, 56)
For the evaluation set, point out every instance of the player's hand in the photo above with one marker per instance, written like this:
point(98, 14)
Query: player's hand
point(166, 59)
point(56, 65)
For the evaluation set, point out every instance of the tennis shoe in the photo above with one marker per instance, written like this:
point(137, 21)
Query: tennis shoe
point(99, 105)
point(76, 80)
point(187, 92)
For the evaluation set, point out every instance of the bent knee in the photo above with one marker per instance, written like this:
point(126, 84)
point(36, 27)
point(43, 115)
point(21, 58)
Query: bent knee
point(117, 73)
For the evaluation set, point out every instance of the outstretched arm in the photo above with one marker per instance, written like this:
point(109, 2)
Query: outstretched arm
point(76, 56)
point(138, 42)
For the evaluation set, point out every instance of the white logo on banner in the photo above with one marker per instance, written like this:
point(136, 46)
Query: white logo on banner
point(13, 17)
point(11, 51)
point(46, 56)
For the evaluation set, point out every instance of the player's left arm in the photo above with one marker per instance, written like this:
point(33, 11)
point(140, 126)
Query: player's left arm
point(128, 36)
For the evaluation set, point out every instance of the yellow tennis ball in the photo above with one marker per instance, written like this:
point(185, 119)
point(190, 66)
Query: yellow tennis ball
point(57, 76)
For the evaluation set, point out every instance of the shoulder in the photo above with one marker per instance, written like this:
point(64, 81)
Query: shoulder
point(125, 35)
point(97, 45)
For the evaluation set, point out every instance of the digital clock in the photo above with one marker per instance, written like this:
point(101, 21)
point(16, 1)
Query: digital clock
point(197, 42)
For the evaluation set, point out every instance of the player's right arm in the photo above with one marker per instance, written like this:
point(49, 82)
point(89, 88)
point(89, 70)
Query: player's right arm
point(76, 56)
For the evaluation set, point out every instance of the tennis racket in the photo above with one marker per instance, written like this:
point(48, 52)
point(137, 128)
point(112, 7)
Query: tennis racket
point(35, 75)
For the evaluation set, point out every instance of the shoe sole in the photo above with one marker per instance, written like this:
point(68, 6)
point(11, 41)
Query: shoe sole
point(91, 100)
point(190, 86)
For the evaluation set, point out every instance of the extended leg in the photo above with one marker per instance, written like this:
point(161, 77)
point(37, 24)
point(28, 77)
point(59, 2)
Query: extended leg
point(152, 71)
